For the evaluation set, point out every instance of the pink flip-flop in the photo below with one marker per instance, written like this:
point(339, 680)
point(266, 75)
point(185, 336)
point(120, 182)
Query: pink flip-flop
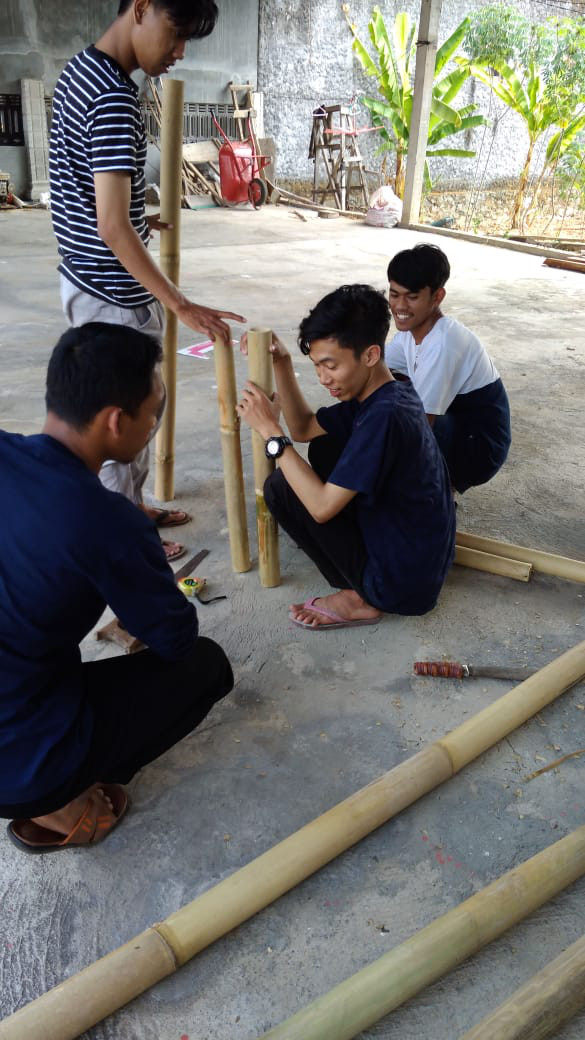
point(338, 621)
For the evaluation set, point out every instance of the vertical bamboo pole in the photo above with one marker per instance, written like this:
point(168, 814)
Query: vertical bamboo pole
point(231, 450)
point(78, 1003)
point(364, 998)
point(260, 372)
point(171, 152)
point(538, 1009)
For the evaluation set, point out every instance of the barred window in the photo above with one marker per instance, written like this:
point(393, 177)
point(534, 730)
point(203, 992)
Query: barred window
point(11, 131)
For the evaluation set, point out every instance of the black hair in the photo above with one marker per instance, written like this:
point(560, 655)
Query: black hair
point(415, 269)
point(97, 365)
point(355, 315)
point(196, 18)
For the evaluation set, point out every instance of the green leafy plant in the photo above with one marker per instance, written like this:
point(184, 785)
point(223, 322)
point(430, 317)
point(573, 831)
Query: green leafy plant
point(570, 171)
point(392, 63)
point(538, 71)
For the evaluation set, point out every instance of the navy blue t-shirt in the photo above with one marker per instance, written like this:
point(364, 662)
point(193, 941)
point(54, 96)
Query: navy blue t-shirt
point(68, 547)
point(404, 502)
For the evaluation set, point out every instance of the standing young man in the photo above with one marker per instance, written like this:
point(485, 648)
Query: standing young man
point(454, 376)
point(97, 157)
point(373, 507)
point(70, 732)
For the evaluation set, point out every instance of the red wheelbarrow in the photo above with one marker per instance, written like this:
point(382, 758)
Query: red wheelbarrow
point(239, 170)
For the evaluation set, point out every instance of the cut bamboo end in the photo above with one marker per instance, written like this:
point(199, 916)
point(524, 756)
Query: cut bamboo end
point(484, 561)
point(233, 473)
point(360, 1001)
point(537, 1010)
point(545, 563)
point(260, 372)
point(170, 246)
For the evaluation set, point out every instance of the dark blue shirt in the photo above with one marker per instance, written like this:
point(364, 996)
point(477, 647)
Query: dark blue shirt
point(404, 501)
point(68, 547)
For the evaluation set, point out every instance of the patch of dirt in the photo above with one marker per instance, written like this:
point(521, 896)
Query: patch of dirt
point(487, 212)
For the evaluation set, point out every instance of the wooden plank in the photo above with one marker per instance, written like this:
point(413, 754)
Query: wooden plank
point(200, 152)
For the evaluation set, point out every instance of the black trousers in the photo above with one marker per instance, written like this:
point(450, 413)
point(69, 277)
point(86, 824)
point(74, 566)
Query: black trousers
point(336, 547)
point(142, 706)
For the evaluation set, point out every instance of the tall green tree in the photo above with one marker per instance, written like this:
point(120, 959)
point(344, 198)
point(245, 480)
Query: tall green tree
point(538, 71)
point(391, 62)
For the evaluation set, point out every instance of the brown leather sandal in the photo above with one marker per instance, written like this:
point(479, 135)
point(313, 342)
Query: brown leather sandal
point(93, 825)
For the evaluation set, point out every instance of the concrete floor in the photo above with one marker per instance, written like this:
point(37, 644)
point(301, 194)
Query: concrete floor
point(313, 717)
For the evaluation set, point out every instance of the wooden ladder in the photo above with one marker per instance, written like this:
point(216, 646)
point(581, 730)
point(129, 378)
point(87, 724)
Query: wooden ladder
point(334, 150)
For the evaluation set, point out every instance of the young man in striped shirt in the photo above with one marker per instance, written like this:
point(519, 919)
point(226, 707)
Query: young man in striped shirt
point(97, 157)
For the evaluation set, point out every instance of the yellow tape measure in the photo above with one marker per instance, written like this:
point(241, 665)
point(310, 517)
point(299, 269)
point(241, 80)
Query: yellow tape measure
point(192, 586)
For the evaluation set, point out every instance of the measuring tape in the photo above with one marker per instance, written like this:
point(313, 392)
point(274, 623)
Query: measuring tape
point(192, 586)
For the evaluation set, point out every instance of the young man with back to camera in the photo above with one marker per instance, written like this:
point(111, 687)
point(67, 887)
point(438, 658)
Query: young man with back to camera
point(70, 732)
point(372, 508)
point(97, 158)
point(454, 376)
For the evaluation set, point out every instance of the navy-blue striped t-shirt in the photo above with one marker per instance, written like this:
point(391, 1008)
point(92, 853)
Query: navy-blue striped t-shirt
point(97, 127)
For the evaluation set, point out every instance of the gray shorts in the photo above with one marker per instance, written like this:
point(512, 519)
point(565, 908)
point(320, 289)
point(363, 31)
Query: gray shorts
point(80, 308)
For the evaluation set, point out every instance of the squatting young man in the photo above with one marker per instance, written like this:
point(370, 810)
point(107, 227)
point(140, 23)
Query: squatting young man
point(373, 506)
point(454, 376)
point(70, 732)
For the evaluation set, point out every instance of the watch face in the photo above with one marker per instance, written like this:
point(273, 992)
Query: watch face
point(272, 446)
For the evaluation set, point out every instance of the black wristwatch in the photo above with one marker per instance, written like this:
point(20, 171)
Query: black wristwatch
point(275, 446)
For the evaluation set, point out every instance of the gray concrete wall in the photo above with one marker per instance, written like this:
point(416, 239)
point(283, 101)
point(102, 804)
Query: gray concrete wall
point(305, 58)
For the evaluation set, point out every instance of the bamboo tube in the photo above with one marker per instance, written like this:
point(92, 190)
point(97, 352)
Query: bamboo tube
point(545, 563)
point(484, 561)
point(384, 985)
point(537, 1010)
point(66, 1011)
point(231, 450)
point(260, 372)
point(171, 156)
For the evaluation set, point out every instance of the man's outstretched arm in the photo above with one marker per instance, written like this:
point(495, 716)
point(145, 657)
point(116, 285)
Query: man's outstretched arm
point(300, 418)
point(112, 195)
point(323, 501)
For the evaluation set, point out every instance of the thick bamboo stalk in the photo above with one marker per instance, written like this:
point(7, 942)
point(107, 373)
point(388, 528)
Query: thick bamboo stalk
point(545, 563)
point(260, 372)
point(171, 157)
point(484, 561)
point(384, 985)
point(231, 450)
point(65, 1012)
point(537, 1010)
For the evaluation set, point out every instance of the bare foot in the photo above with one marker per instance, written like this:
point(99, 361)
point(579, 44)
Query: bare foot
point(63, 820)
point(346, 603)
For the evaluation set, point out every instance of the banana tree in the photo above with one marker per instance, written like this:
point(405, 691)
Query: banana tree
point(538, 71)
point(392, 65)
point(526, 94)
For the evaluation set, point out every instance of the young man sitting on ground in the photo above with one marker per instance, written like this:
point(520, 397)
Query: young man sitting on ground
point(373, 507)
point(456, 380)
point(72, 732)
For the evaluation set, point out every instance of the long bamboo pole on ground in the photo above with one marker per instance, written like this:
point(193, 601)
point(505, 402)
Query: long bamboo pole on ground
point(105, 986)
point(260, 372)
point(364, 998)
point(171, 156)
point(546, 563)
point(231, 450)
point(484, 561)
point(537, 1010)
